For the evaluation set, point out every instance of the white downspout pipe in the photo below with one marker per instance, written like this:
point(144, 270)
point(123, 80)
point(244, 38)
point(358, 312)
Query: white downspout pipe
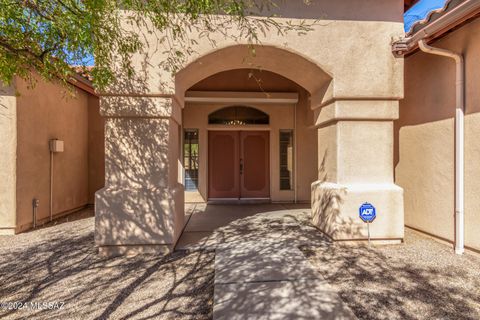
point(51, 185)
point(459, 140)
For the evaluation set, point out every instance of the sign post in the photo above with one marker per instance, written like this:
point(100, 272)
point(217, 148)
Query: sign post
point(367, 213)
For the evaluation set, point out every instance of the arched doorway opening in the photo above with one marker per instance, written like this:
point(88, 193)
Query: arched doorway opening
point(276, 81)
point(253, 126)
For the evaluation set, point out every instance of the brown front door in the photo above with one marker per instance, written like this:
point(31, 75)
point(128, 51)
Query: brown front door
point(223, 164)
point(238, 164)
point(254, 164)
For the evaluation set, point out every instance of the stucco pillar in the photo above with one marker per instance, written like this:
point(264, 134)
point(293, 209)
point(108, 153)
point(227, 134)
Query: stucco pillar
point(355, 144)
point(8, 158)
point(141, 207)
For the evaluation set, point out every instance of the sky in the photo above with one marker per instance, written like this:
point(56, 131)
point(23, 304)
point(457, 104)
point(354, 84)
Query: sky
point(419, 11)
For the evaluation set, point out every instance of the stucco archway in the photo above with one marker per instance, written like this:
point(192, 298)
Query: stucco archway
point(285, 62)
point(306, 76)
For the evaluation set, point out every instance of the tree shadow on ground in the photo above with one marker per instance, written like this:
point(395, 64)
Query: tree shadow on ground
point(61, 264)
point(417, 280)
point(421, 279)
point(219, 223)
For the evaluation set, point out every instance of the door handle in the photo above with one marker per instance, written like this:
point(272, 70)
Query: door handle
point(241, 166)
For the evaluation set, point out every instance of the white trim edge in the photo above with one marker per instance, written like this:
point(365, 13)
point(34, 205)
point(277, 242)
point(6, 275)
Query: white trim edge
point(241, 97)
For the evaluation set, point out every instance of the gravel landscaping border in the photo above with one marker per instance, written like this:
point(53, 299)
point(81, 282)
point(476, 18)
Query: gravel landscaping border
point(419, 279)
point(60, 264)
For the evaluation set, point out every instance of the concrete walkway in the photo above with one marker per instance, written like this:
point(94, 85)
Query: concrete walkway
point(259, 271)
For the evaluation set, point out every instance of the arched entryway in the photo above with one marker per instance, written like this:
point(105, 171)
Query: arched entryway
point(258, 115)
point(286, 62)
point(325, 119)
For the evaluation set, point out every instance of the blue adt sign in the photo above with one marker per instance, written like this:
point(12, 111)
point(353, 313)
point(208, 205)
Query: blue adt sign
point(367, 212)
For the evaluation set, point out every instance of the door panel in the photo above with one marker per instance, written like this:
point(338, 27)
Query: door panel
point(254, 164)
point(223, 164)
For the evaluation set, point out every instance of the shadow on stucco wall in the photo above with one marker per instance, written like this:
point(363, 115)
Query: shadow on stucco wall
point(327, 201)
point(141, 171)
point(142, 142)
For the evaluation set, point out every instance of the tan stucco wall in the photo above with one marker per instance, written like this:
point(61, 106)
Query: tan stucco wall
point(96, 148)
point(363, 37)
point(45, 112)
point(368, 10)
point(425, 138)
point(142, 202)
point(8, 128)
point(355, 166)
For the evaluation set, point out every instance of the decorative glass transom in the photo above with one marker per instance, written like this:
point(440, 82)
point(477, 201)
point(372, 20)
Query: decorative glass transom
point(238, 115)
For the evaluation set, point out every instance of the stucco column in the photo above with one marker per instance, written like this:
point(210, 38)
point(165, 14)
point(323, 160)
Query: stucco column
point(8, 158)
point(355, 145)
point(141, 207)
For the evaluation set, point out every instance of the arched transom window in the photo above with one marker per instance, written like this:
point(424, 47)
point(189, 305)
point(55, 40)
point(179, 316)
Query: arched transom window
point(238, 115)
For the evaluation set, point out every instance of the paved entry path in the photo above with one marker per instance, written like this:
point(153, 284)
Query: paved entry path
point(260, 273)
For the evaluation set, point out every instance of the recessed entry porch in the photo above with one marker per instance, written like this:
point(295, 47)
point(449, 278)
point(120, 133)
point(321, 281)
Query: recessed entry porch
point(241, 132)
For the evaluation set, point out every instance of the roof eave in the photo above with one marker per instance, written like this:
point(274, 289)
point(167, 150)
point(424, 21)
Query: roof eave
point(83, 84)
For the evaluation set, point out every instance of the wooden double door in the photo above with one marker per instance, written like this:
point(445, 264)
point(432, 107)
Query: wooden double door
point(238, 164)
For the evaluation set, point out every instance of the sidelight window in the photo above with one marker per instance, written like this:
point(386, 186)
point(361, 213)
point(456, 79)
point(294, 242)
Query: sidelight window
point(190, 158)
point(286, 159)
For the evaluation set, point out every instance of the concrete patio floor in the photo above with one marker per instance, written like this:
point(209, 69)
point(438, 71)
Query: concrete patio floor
point(209, 225)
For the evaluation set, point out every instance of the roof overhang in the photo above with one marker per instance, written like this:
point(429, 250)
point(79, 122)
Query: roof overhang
point(82, 83)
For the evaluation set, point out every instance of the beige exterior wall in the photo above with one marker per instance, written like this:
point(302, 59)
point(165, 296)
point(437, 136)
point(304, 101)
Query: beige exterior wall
point(96, 148)
point(45, 112)
point(350, 40)
point(8, 128)
point(355, 166)
point(425, 138)
point(141, 207)
point(353, 82)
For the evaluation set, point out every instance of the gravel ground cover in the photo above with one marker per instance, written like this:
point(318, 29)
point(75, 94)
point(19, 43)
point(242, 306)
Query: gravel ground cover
point(420, 279)
point(60, 264)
